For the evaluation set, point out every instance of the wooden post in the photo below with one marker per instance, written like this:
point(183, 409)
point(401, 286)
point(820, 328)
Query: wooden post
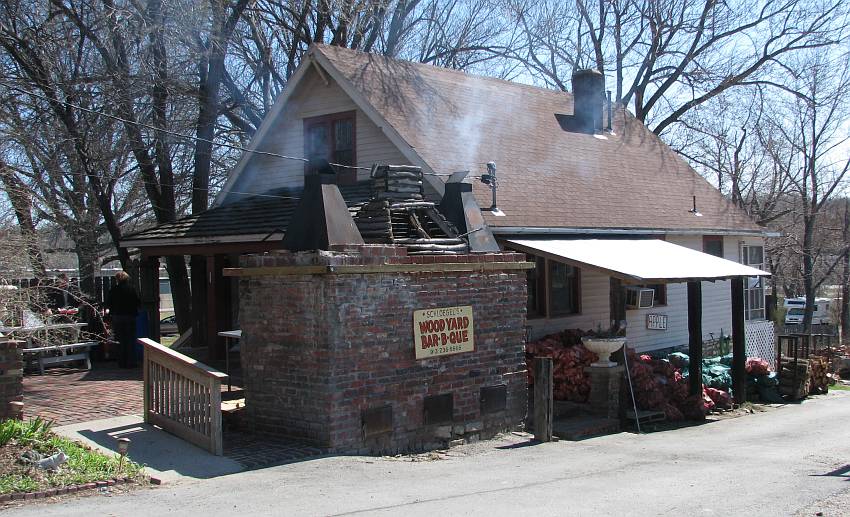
point(149, 283)
point(695, 337)
point(739, 348)
point(544, 409)
point(146, 385)
point(216, 444)
point(216, 304)
point(199, 300)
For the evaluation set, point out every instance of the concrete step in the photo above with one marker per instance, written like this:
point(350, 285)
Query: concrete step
point(581, 427)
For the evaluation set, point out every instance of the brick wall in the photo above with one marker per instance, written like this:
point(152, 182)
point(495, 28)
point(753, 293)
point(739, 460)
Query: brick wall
point(319, 350)
point(11, 379)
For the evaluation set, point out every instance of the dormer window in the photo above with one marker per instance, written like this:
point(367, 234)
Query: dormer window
point(332, 137)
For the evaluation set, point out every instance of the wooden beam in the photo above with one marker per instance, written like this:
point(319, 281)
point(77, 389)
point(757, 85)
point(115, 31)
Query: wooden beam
point(211, 249)
point(377, 268)
point(215, 307)
point(695, 337)
point(739, 348)
point(544, 409)
point(149, 294)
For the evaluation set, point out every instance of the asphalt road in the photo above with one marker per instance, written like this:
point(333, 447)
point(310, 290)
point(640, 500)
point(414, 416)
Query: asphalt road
point(792, 460)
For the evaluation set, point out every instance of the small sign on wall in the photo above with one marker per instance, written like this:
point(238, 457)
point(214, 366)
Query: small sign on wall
point(443, 331)
point(656, 321)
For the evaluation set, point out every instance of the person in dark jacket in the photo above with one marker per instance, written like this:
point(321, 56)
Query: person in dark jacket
point(123, 304)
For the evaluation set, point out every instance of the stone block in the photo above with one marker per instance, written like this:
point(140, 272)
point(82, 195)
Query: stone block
point(443, 432)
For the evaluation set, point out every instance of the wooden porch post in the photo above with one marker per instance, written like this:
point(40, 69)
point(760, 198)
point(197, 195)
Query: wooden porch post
point(149, 283)
point(216, 318)
point(695, 337)
point(199, 300)
point(739, 349)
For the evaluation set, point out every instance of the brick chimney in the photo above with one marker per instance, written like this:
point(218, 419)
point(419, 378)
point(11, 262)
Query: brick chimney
point(588, 100)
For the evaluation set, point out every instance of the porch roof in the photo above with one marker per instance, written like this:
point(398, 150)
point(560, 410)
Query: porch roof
point(649, 261)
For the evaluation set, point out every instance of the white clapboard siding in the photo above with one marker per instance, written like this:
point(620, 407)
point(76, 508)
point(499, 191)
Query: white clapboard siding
point(312, 98)
point(595, 288)
point(595, 308)
point(716, 304)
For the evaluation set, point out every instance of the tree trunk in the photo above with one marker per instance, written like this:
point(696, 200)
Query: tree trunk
point(808, 270)
point(180, 292)
point(845, 276)
point(21, 202)
point(88, 259)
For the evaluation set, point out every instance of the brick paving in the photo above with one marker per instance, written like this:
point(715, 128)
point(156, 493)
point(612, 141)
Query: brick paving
point(71, 395)
point(254, 452)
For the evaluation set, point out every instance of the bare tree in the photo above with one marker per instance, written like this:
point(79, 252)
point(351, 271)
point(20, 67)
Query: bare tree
point(668, 57)
point(815, 160)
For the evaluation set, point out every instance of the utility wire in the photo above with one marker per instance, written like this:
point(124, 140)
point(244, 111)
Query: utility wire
point(195, 138)
point(167, 131)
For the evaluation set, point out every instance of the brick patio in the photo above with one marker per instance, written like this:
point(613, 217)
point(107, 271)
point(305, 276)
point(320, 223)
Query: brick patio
point(71, 395)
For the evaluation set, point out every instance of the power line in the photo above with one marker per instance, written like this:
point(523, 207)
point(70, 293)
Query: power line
point(168, 131)
point(196, 138)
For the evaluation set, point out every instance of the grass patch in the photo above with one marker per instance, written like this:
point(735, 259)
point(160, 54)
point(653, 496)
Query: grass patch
point(840, 387)
point(84, 465)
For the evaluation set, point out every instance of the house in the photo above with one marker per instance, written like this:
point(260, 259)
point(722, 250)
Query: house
point(570, 168)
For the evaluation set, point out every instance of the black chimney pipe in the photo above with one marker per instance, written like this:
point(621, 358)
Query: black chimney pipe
point(588, 98)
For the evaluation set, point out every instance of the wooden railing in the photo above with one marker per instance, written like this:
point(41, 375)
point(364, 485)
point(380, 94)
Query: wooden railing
point(183, 396)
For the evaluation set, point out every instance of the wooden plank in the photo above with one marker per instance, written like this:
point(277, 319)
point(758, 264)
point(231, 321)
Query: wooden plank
point(377, 268)
point(59, 348)
point(695, 336)
point(146, 385)
point(216, 446)
point(739, 347)
point(543, 399)
point(182, 432)
point(175, 357)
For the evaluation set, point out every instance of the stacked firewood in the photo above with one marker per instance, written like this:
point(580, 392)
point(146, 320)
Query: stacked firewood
point(818, 382)
point(398, 214)
point(794, 378)
point(397, 182)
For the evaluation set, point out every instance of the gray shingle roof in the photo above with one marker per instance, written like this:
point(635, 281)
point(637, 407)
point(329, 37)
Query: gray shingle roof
point(549, 177)
point(262, 214)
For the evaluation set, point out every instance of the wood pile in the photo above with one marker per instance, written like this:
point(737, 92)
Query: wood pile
point(818, 380)
point(397, 182)
point(794, 378)
point(398, 214)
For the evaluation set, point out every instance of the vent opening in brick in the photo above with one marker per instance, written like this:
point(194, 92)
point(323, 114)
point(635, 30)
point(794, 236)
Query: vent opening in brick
point(377, 420)
point(439, 408)
point(494, 398)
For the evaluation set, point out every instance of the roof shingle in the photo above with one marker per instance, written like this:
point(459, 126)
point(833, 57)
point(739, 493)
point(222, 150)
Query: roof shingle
point(548, 177)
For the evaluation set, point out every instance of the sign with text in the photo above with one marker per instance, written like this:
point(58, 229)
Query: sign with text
point(656, 321)
point(443, 331)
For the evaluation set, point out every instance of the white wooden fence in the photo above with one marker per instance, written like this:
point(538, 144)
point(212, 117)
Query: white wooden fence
point(183, 396)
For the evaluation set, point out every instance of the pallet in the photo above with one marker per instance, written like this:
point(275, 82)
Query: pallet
point(646, 417)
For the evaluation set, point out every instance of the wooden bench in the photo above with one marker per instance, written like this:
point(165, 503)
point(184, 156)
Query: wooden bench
point(63, 357)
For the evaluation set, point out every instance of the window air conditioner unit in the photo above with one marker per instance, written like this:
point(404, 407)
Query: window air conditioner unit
point(637, 298)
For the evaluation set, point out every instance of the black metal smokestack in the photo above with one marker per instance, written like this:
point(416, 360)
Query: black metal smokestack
point(588, 99)
point(461, 209)
point(321, 219)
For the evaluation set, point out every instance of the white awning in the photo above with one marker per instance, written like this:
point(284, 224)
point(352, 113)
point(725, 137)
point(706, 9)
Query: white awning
point(648, 261)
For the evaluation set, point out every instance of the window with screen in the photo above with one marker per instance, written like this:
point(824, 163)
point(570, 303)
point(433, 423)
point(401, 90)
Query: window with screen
point(553, 288)
point(536, 287)
point(563, 289)
point(753, 286)
point(713, 245)
point(332, 138)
